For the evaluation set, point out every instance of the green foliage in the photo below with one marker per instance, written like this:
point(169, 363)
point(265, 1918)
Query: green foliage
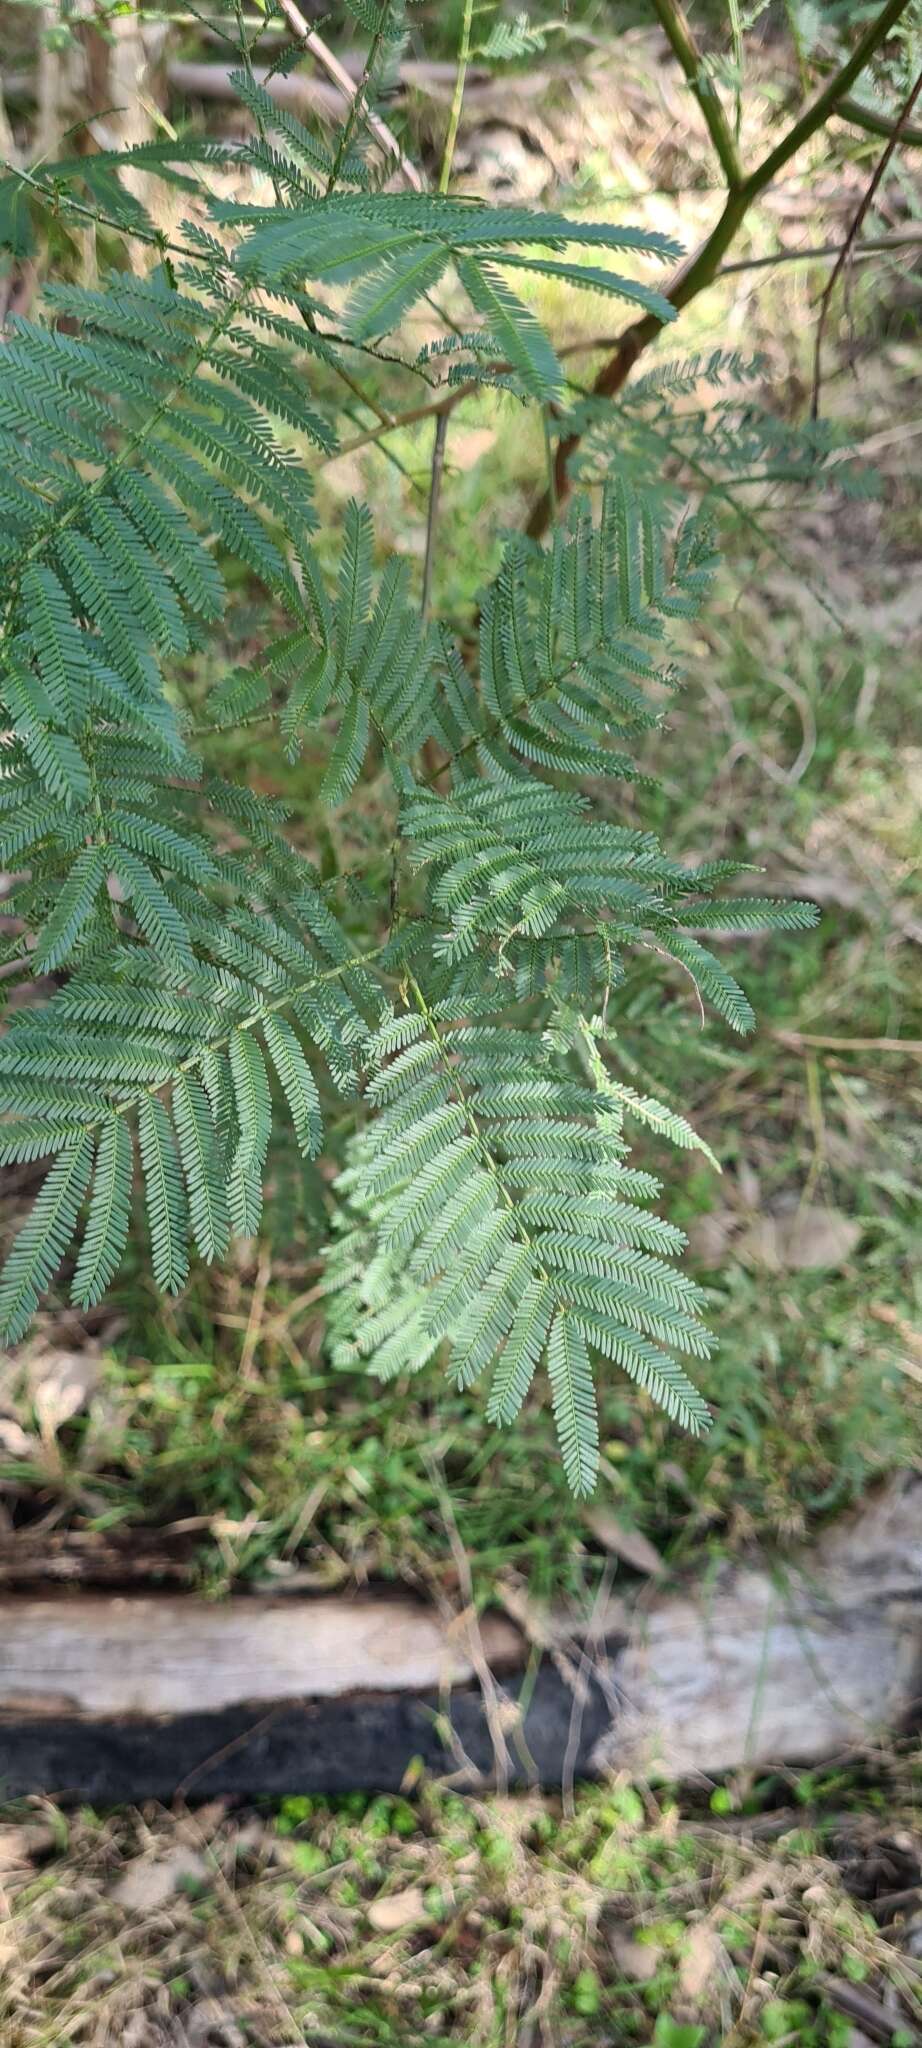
point(510, 39)
point(160, 433)
point(701, 423)
point(494, 1173)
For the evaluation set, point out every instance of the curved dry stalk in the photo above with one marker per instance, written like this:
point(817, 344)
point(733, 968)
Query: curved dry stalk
point(330, 63)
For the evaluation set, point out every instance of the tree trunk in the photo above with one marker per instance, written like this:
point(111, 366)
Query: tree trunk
point(98, 91)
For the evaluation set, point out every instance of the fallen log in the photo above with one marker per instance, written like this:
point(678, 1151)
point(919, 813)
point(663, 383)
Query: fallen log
point(303, 92)
point(110, 1699)
point(118, 1558)
point(790, 1662)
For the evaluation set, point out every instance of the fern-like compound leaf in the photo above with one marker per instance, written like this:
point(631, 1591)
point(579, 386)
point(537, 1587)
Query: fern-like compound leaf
point(201, 1164)
point(74, 906)
point(166, 1195)
point(573, 1393)
point(44, 1238)
point(109, 1215)
point(159, 436)
point(297, 1082)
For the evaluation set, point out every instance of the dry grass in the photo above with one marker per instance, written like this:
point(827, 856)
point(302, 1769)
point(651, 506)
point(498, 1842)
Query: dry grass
point(493, 1922)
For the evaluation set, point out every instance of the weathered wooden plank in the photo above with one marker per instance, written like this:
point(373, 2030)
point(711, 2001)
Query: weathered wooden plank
point(133, 1697)
point(363, 1741)
point(169, 1653)
point(792, 1662)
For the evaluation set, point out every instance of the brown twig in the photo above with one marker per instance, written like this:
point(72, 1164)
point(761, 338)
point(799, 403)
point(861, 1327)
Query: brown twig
point(474, 1641)
point(875, 245)
point(875, 2018)
point(912, 1047)
point(228, 1749)
point(591, 1655)
point(702, 267)
point(852, 236)
point(591, 344)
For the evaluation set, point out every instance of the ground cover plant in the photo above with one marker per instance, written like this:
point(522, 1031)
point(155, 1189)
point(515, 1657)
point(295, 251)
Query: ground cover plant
point(776, 1911)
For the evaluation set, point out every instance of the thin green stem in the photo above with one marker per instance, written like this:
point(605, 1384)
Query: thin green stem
point(678, 31)
point(357, 103)
point(97, 215)
point(549, 460)
point(186, 1066)
point(875, 123)
point(432, 520)
point(839, 86)
point(454, 119)
point(736, 31)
